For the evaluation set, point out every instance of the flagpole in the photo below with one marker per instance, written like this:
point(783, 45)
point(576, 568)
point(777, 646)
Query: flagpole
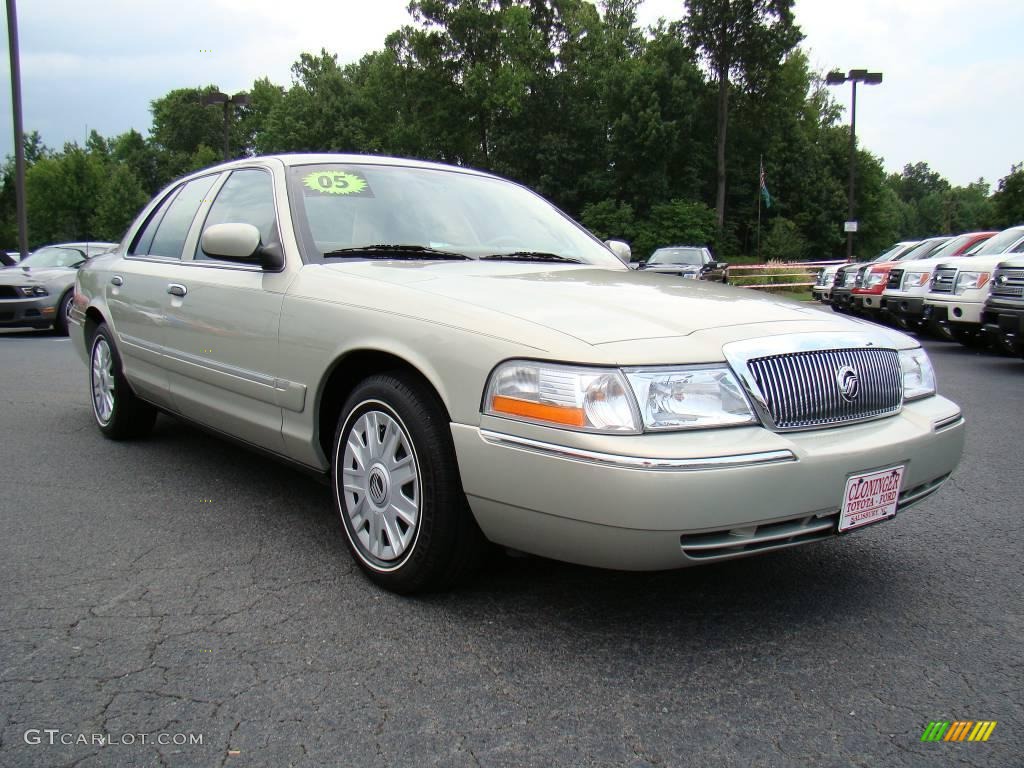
point(760, 171)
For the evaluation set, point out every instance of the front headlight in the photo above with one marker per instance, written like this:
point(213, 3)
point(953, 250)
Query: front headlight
point(918, 374)
point(967, 281)
point(590, 399)
point(33, 290)
point(875, 279)
point(916, 279)
point(682, 398)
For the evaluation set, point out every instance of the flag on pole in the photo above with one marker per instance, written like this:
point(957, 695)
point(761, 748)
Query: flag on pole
point(764, 187)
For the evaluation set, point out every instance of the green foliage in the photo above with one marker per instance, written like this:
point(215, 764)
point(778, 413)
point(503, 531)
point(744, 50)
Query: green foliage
point(1008, 201)
point(120, 200)
point(677, 222)
point(783, 241)
point(610, 220)
point(61, 193)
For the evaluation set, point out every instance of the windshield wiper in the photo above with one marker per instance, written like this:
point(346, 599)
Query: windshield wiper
point(395, 251)
point(530, 256)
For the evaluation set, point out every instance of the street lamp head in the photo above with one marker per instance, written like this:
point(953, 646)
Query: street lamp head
point(872, 78)
point(835, 77)
point(214, 97)
point(240, 99)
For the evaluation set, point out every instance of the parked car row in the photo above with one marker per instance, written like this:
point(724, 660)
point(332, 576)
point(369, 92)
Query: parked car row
point(37, 292)
point(968, 287)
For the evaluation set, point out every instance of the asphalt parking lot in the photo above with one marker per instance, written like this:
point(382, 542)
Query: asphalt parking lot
point(180, 586)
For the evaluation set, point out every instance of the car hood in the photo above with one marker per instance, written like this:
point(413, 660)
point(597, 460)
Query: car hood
point(974, 263)
point(673, 268)
point(598, 306)
point(19, 276)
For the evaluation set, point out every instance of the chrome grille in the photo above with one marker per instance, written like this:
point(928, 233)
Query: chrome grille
point(1013, 285)
point(944, 279)
point(895, 280)
point(801, 389)
point(843, 278)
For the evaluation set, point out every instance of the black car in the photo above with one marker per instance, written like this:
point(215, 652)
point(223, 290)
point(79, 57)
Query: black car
point(692, 261)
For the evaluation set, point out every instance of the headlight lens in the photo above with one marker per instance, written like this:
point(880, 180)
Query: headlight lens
point(680, 398)
point(916, 279)
point(967, 281)
point(33, 290)
point(918, 374)
point(875, 279)
point(590, 399)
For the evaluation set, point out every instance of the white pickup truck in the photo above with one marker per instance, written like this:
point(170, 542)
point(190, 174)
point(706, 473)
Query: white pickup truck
point(960, 287)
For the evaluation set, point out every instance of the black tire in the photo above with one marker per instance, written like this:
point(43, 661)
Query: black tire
point(445, 545)
point(60, 323)
point(969, 337)
point(129, 417)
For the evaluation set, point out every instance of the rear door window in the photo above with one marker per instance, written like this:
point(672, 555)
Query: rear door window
point(165, 233)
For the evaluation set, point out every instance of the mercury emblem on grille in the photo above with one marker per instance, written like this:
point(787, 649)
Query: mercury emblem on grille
point(849, 383)
point(1002, 280)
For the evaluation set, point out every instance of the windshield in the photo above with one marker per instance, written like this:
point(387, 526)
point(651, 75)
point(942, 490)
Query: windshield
point(924, 250)
point(54, 256)
point(952, 247)
point(694, 256)
point(893, 253)
point(999, 243)
point(339, 209)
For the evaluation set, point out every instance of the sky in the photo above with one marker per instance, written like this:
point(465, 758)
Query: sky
point(951, 96)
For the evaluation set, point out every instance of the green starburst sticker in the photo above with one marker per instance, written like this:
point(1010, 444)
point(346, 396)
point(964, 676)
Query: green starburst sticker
point(334, 182)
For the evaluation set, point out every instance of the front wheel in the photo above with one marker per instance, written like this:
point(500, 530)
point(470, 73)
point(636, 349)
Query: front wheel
point(63, 319)
point(397, 487)
point(118, 412)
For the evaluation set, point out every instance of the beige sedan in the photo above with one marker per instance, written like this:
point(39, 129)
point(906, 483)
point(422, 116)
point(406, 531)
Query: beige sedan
point(470, 366)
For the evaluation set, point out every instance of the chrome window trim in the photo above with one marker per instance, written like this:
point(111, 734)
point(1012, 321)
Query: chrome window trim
point(637, 462)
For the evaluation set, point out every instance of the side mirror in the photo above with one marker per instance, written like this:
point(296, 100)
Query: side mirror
point(240, 242)
point(621, 250)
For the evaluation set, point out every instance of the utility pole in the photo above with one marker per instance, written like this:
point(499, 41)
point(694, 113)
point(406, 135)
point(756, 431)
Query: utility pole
point(853, 77)
point(19, 131)
point(216, 97)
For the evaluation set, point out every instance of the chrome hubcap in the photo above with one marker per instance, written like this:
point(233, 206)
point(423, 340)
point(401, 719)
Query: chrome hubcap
point(381, 486)
point(102, 381)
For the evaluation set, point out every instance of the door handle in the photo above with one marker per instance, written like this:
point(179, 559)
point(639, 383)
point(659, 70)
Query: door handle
point(176, 289)
point(117, 280)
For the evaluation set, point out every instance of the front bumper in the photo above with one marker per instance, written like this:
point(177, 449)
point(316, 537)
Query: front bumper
point(695, 497)
point(841, 297)
point(1004, 319)
point(866, 302)
point(953, 310)
point(903, 305)
point(37, 312)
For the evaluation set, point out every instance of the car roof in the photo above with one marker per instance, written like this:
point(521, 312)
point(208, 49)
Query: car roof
point(313, 158)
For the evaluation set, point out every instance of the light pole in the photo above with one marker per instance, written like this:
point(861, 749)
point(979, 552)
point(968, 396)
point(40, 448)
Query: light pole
point(216, 97)
point(853, 77)
point(19, 131)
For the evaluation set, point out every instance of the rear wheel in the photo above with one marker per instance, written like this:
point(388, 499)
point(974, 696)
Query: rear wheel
point(397, 487)
point(118, 412)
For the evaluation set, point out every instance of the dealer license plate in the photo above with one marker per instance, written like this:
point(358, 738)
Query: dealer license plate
point(870, 497)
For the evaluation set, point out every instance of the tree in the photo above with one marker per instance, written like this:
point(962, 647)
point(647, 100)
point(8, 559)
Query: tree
point(61, 192)
point(1008, 200)
point(741, 42)
point(120, 200)
point(783, 241)
point(676, 222)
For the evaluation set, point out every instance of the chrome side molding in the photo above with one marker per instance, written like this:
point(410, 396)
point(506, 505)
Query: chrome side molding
point(638, 462)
